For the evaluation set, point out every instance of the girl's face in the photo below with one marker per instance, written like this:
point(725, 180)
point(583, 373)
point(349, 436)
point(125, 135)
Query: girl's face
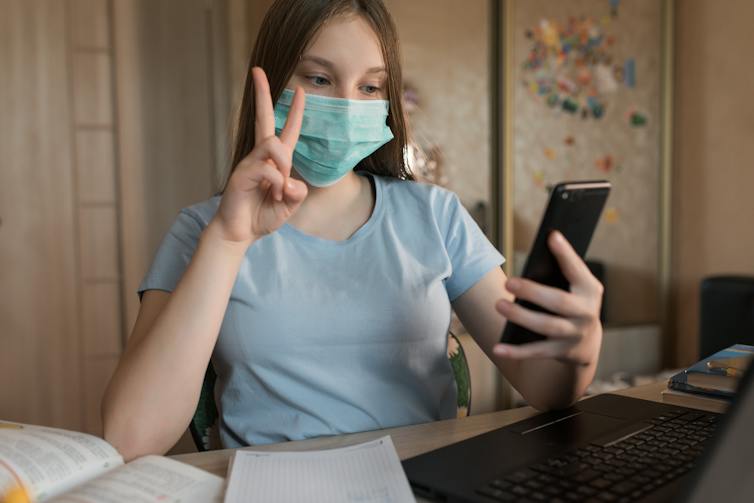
point(344, 60)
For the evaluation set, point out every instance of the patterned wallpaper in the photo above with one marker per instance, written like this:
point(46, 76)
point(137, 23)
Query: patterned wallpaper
point(586, 86)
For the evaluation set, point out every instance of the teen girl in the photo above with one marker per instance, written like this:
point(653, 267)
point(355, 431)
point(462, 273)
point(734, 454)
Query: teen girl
point(321, 281)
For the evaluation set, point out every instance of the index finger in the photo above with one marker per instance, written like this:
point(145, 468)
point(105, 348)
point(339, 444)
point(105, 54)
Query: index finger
point(538, 349)
point(292, 128)
point(551, 298)
point(264, 116)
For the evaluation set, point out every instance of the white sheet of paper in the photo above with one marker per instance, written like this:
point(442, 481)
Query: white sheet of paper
point(370, 472)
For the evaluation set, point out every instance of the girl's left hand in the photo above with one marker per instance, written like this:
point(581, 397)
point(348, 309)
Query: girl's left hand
point(575, 336)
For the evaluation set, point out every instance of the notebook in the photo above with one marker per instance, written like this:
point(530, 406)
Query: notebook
point(695, 400)
point(369, 472)
point(716, 375)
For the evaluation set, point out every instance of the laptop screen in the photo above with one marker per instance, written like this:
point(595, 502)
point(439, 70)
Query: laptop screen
point(727, 472)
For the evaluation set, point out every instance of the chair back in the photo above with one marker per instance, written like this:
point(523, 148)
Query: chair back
point(726, 314)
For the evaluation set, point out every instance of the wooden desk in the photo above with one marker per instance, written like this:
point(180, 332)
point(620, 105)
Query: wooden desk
point(410, 440)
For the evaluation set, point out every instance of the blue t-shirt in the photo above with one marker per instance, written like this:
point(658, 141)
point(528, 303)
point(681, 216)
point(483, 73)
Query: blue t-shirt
point(324, 337)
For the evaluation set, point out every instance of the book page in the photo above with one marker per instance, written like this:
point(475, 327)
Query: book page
point(149, 479)
point(49, 461)
point(370, 472)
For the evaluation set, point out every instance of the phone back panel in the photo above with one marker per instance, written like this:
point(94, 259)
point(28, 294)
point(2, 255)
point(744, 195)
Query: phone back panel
point(574, 212)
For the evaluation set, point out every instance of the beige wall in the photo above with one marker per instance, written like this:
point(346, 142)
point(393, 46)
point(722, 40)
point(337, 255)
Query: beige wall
point(60, 307)
point(112, 119)
point(713, 204)
point(172, 119)
point(445, 46)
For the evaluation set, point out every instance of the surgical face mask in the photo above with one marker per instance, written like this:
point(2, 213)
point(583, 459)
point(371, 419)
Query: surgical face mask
point(336, 134)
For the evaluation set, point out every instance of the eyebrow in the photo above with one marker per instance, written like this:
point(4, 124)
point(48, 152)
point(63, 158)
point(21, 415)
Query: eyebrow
point(331, 66)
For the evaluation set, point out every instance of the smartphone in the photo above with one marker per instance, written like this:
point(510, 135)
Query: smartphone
point(574, 209)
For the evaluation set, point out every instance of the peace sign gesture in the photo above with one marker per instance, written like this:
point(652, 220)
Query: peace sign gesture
point(261, 195)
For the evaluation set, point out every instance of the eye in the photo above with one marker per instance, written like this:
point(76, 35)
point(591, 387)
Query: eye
point(318, 80)
point(370, 89)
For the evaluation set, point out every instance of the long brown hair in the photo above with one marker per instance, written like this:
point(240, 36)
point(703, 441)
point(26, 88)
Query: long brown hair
point(285, 32)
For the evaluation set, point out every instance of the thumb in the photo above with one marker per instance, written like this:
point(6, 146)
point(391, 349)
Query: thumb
point(294, 192)
point(573, 267)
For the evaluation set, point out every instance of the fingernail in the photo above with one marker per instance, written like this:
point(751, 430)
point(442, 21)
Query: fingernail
point(290, 184)
point(513, 283)
point(557, 236)
point(500, 350)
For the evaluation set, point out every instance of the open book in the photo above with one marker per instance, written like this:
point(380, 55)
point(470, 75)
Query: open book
point(60, 466)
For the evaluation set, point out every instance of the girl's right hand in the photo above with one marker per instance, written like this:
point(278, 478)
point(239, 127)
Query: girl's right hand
point(261, 195)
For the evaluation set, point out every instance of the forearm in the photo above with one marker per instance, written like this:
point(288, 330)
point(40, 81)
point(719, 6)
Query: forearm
point(153, 393)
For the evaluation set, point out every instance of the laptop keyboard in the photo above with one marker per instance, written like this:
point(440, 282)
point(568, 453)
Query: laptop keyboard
point(621, 471)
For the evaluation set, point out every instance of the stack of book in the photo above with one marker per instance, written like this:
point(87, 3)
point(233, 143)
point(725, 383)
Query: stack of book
point(711, 383)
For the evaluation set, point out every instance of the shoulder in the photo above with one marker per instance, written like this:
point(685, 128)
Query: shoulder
point(192, 220)
point(178, 246)
point(200, 213)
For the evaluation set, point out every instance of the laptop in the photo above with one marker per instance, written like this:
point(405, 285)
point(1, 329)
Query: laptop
point(603, 448)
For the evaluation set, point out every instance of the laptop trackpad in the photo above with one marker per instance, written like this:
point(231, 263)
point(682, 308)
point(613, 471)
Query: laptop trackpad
point(576, 428)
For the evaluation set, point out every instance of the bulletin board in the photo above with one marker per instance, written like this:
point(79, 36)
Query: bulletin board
point(586, 102)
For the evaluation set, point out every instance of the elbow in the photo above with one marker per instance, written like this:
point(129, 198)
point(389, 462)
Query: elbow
point(548, 405)
point(552, 405)
point(548, 385)
point(131, 438)
point(121, 443)
point(130, 433)
point(554, 401)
